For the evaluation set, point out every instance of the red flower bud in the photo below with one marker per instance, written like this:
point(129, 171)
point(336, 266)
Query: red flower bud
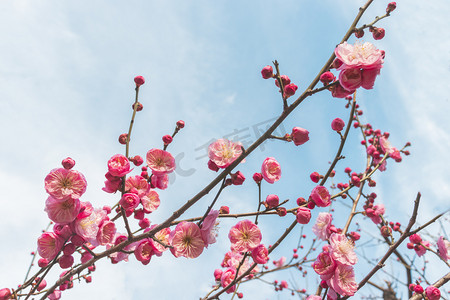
point(139, 80)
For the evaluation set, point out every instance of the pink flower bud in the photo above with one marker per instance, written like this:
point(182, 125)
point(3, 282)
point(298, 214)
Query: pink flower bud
point(260, 254)
point(415, 239)
point(123, 138)
point(354, 235)
point(69, 249)
point(66, 261)
point(167, 139)
point(301, 201)
point(180, 124)
point(5, 294)
point(212, 166)
point(139, 80)
point(139, 106)
point(137, 160)
point(337, 63)
point(321, 196)
point(385, 231)
point(378, 33)
point(290, 89)
point(68, 163)
point(359, 33)
point(284, 79)
point(327, 77)
point(281, 211)
point(391, 7)
point(144, 223)
point(257, 177)
point(299, 136)
point(337, 124)
point(237, 178)
point(267, 72)
point(315, 177)
point(303, 215)
point(41, 285)
point(42, 263)
point(225, 210)
point(129, 201)
point(432, 293)
point(217, 274)
point(411, 287)
point(272, 201)
point(418, 289)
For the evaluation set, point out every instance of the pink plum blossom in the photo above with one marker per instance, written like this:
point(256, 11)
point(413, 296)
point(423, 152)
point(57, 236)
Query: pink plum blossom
point(136, 184)
point(68, 163)
point(433, 293)
point(244, 236)
point(160, 181)
point(271, 170)
point(342, 249)
point(144, 251)
point(119, 165)
point(343, 281)
point(62, 211)
point(260, 254)
point(227, 277)
point(150, 201)
point(224, 152)
point(112, 186)
point(322, 227)
point(364, 56)
point(88, 227)
point(62, 184)
point(186, 240)
point(207, 230)
point(314, 297)
point(321, 196)
point(299, 136)
point(162, 236)
point(106, 233)
point(232, 259)
point(338, 91)
point(377, 211)
point(119, 256)
point(324, 265)
point(56, 295)
point(49, 244)
point(368, 78)
point(337, 124)
point(129, 201)
point(443, 248)
point(303, 215)
point(160, 162)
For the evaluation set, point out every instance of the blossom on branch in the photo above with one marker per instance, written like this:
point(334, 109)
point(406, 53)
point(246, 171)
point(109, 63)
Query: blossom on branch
point(224, 152)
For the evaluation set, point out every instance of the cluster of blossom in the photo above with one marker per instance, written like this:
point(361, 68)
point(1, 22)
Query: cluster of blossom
point(335, 263)
point(287, 89)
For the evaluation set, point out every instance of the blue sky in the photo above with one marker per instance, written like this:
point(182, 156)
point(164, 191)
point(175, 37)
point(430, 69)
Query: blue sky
point(66, 90)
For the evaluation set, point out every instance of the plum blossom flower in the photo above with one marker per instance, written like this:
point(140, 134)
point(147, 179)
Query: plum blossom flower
point(88, 227)
point(314, 297)
point(420, 249)
point(119, 256)
point(119, 165)
point(303, 215)
point(299, 136)
point(324, 265)
point(260, 254)
point(321, 196)
point(342, 249)
point(49, 244)
point(227, 277)
point(244, 236)
point(160, 181)
point(433, 293)
point(62, 184)
point(150, 201)
point(322, 227)
point(160, 161)
point(350, 79)
point(129, 201)
point(186, 240)
point(144, 251)
point(271, 170)
point(224, 152)
point(106, 233)
point(343, 281)
point(232, 259)
point(62, 211)
point(377, 211)
point(136, 184)
point(207, 230)
point(162, 236)
point(443, 248)
point(364, 56)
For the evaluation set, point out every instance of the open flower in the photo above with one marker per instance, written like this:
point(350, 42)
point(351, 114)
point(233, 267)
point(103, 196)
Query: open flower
point(186, 240)
point(322, 227)
point(207, 230)
point(343, 281)
point(224, 152)
point(161, 162)
point(62, 211)
point(342, 249)
point(244, 236)
point(321, 196)
point(49, 245)
point(443, 248)
point(364, 56)
point(62, 184)
point(150, 201)
point(119, 165)
point(271, 170)
point(324, 265)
